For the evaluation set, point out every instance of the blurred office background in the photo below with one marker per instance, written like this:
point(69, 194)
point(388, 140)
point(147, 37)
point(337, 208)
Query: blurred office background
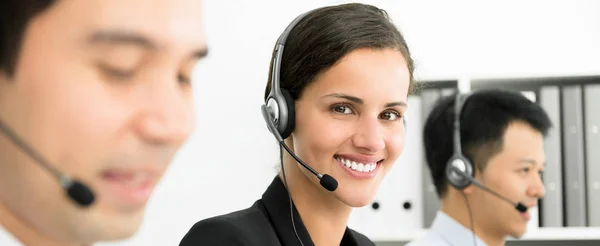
point(550, 49)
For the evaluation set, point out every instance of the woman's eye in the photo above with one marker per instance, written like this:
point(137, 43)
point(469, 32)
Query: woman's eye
point(342, 109)
point(390, 116)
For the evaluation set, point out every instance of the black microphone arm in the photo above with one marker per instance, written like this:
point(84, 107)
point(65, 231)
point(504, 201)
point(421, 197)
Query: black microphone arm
point(519, 206)
point(76, 190)
point(328, 182)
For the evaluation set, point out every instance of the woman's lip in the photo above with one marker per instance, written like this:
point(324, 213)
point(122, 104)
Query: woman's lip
point(356, 174)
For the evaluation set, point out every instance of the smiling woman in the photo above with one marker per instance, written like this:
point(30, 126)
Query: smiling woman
point(336, 95)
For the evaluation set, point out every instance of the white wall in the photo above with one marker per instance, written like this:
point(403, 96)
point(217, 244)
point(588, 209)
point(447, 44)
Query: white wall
point(230, 159)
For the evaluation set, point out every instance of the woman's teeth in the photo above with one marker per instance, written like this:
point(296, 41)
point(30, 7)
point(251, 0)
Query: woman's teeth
point(358, 166)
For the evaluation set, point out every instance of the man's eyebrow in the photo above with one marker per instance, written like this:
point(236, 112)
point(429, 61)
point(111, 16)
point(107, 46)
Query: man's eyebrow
point(115, 37)
point(532, 162)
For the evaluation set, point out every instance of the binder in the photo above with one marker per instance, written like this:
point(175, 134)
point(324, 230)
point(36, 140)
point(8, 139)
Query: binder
point(551, 205)
point(448, 91)
point(529, 95)
point(431, 202)
point(592, 151)
point(573, 162)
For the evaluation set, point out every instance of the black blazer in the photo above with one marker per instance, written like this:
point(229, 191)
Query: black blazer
point(267, 222)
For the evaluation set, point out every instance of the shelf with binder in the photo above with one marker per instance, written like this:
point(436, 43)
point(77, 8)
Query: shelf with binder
point(563, 233)
point(541, 234)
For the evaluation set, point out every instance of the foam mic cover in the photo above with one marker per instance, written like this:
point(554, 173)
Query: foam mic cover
point(521, 207)
point(328, 182)
point(80, 193)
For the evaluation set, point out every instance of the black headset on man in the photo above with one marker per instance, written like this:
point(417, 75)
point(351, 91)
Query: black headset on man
point(459, 169)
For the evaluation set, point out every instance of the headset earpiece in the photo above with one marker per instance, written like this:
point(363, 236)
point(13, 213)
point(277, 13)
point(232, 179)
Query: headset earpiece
point(280, 107)
point(458, 159)
point(457, 181)
point(279, 103)
point(287, 125)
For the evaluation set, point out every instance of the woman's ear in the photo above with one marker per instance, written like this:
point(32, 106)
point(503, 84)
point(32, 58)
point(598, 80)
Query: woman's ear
point(289, 141)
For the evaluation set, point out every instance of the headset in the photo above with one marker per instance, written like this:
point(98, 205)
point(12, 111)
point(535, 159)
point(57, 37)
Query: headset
point(279, 102)
point(459, 160)
point(459, 169)
point(279, 114)
point(279, 109)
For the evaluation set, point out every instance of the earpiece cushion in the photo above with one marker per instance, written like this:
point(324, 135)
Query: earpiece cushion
point(291, 120)
point(455, 180)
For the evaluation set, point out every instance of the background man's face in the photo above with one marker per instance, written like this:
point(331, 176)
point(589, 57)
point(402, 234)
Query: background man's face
point(102, 89)
point(515, 173)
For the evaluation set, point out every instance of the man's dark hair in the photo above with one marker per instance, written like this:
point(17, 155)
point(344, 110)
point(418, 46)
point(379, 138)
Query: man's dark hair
point(326, 35)
point(15, 16)
point(483, 121)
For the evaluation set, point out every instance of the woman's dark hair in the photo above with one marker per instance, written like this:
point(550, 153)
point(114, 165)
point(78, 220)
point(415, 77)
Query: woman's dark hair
point(15, 16)
point(326, 35)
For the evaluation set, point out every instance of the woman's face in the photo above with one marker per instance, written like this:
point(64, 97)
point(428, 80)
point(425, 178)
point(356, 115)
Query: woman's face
point(349, 122)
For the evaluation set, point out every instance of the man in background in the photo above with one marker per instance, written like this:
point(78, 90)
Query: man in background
point(502, 135)
point(101, 91)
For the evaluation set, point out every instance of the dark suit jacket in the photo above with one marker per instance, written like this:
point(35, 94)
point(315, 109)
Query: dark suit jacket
point(267, 222)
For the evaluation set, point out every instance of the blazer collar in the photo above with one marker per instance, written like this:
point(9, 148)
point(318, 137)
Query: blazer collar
point(277, 204)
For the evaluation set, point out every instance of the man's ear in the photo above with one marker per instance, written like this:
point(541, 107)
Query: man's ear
point(470, 189)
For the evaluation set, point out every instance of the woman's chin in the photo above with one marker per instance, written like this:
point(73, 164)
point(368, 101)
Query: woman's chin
point(356, 200)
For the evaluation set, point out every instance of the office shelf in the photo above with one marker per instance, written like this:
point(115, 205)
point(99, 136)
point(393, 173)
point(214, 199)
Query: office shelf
point(541, 234)
point(563, 233)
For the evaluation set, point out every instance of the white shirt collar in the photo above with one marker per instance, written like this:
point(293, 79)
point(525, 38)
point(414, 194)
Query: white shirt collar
point(453, 232)
point(7, 239)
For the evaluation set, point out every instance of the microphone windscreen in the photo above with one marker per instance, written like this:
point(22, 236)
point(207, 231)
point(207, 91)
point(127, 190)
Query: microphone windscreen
point(80, 193)
point(521, 208)
point(328, 182)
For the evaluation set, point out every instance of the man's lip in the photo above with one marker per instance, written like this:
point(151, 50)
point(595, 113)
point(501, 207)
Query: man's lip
point(131, 177)
point(526, 215)
point(125, 174)
point(130, 187)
